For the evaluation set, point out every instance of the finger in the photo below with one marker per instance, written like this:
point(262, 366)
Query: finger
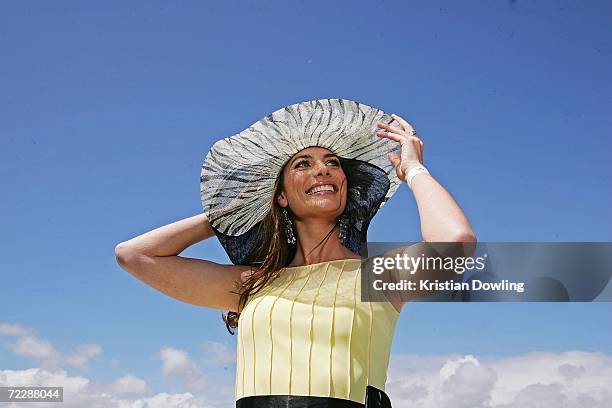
point(402, 122)
point(421, 149)
point(389, 127)
point(394, 158)
point(416, 139)
point(396, 133)
point(392, 136)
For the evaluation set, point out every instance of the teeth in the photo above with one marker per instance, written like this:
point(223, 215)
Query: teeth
point(326, 187)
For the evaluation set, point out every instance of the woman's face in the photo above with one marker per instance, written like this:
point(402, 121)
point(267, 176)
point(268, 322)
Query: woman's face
point(314, 184)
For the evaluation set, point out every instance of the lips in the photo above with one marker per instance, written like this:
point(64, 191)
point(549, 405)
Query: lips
point(322, 189)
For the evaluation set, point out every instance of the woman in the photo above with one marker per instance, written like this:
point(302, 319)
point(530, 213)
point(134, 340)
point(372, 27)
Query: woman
point(290, 200)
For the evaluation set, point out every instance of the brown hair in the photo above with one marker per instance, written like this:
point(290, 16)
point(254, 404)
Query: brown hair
point(273, 249)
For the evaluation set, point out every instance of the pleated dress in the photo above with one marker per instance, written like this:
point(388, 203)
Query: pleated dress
point(307, 340)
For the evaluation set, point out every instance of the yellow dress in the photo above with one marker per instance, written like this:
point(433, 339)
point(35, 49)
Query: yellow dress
point(307, 333)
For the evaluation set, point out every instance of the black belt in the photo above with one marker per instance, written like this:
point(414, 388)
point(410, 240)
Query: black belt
point(375, 398)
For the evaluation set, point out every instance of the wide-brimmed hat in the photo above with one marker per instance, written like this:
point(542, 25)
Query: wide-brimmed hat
point(239, 172)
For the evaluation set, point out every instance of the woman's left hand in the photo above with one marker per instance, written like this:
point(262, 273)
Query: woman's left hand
point(411, 146)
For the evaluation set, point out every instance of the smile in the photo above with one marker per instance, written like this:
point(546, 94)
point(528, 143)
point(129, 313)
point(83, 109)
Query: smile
point(322, 189)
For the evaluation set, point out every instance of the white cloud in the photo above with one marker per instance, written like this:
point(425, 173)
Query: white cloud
point(43, 378)
point(218, 353)
point(164, 400)
point(81, 392)
point(129, 385)
point(33, 347)
point(27, 344)
point(178, 364)
point(465, 383)
point(571, 379)
point(83, 353)
point(128, 391)
point(7, 329)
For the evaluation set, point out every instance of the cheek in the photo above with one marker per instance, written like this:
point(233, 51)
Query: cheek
point(294, 185)
point(342, 182)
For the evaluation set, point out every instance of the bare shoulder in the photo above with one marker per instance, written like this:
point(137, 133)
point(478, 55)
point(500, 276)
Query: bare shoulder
point(398, 305)
point(396, 300)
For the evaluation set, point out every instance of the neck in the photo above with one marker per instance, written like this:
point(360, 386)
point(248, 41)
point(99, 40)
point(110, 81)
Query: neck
point(318, 241)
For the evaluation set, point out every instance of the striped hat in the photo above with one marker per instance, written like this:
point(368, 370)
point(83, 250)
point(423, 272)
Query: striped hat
point(239, 172)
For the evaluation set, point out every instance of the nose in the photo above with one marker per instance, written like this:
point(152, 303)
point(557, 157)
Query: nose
point(321, 168)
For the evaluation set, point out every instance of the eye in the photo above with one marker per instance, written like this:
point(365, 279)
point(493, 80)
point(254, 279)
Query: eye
point(334, 162)
point(302, 163)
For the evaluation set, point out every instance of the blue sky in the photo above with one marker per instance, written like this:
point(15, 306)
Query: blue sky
point(107, 110)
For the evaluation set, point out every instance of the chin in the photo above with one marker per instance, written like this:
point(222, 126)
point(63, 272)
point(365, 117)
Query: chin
point(327, 207)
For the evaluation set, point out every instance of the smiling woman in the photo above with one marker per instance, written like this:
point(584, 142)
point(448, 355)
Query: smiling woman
point(315, 183)
point(290, 200)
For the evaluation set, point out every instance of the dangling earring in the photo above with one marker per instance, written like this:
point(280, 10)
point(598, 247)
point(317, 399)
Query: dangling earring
point(343, 228)
point(288, 227)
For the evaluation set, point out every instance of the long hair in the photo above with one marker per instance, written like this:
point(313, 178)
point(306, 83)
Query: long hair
point(275, 252)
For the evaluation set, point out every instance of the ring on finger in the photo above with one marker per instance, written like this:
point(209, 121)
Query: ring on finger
point(415, 134)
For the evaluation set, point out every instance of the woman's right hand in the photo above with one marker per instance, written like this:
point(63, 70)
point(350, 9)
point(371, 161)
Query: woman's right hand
point(171, 239)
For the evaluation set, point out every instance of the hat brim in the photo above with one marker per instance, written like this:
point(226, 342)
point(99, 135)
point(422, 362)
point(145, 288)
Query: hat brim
point(239, 172)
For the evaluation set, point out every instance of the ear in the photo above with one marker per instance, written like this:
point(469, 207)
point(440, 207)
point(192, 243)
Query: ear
point(281, 199)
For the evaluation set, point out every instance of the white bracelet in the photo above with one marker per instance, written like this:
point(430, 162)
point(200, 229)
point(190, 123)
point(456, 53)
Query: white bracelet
point(413, 172)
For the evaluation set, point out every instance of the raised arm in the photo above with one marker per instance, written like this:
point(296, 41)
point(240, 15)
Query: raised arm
point(153, 257)
point(443, 223)
point(442, 220)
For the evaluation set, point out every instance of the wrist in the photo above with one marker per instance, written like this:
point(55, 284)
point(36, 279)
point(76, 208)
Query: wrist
point(411, 165)
point(414, 172)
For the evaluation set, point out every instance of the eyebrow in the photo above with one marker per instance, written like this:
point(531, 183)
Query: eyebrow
point(307, 156)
